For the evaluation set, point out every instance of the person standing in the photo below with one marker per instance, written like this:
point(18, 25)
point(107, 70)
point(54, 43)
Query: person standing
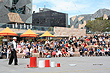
point(13, 52)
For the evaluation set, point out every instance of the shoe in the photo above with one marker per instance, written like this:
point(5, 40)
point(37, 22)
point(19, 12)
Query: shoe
point(9, 64)
point(15, 64)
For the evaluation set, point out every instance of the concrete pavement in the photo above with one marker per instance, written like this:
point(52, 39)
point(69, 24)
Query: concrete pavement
point(83, 65)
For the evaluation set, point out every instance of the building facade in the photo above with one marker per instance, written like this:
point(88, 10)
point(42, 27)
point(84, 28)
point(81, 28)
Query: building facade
point(81, 20)
point(16, 13)
point(49, 18)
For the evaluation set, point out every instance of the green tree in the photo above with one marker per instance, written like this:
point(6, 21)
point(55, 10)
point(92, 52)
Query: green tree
point(98, 25)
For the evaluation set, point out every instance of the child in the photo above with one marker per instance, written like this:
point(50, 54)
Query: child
point(64, 53)
point(54, 52)
point(58, 54)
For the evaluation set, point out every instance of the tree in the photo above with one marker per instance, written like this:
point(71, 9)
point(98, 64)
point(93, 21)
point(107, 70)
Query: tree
point(99, 25)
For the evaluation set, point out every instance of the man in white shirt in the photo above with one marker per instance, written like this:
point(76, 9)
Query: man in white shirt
point(47, 42)
point(13, 52)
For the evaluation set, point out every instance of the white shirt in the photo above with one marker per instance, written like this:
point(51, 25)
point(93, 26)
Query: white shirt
point(47, 42)
point(106, 50)
point(14, 44)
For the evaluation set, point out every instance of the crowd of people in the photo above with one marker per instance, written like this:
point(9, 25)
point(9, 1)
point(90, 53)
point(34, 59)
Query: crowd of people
point(86, 46)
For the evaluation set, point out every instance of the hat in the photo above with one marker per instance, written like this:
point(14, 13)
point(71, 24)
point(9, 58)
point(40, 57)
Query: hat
point(14, 38)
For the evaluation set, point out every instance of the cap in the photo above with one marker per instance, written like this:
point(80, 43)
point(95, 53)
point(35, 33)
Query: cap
point(14, 38)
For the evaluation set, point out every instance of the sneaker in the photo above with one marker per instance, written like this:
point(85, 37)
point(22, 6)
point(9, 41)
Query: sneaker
point(15, 64)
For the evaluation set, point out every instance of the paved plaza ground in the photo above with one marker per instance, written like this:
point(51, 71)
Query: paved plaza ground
point(83, 65)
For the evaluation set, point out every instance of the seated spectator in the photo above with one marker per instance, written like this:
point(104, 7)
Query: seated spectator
point(19, 48)
point(47, 46)
point(86, 51)
point(84, 44)
point(54, 52)
point(73, 47)
point(100, 44)
point(64, 53)
point(93, 41)
point(81, 50)
point(109, 51)
point(98, 52)
point(47, 42)
point(79, 43)
point(8, 51)
point(91, 52)
point(29, 48)
point(35, 45)
point(45, 51)
point(75, 43)
point(96, 44)
point(25, 51)
point(58, 54)
point(103, 51)
point(70, 51)
point(106, 51)
point(66, 46)
point(40, 50)
point(4, 52)
point(103, 42)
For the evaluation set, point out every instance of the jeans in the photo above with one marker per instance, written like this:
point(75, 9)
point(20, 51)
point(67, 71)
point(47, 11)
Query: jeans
point(3, 54)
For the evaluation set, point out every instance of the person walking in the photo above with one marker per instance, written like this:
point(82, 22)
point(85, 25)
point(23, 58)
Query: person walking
point(13, 52)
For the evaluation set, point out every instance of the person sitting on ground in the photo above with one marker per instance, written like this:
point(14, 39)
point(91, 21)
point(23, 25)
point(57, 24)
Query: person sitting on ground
point(19, 48)
point(29, 48)
point(4, 52)
point(35, 50)
point(86, 51)
point(45, 51)
point(25, 51)
point(106, 51)
point(47, 42)
point(98, 52)
point(40, 50)
point(93, 41)
point(8, 51)
point(59, 54)
point(22, 43)
point(91, 52)
point(35, 45)
point(57, 46)
point(103, 51)
point(64, 53)
point(70, 51)
point(47, 46)
point(109, 51)
point(103, 42)
point(54, 52)
point(81, 50)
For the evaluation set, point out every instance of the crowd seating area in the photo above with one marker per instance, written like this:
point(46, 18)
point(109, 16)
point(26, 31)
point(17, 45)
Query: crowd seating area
point(73, 47)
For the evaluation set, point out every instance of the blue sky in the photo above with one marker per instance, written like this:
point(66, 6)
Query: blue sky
point(72, 7)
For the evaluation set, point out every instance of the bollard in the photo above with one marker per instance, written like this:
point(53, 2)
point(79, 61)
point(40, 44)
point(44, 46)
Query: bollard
point(47, 63)
point(41, 64)
point(33, 62)
point(52, 64)
point(58, 64)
